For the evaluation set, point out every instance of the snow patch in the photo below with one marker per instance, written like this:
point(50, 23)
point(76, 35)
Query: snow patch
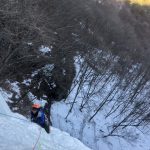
point(44, 49)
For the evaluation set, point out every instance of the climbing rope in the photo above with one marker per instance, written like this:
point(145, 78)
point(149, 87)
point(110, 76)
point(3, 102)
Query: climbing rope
point(37, 141)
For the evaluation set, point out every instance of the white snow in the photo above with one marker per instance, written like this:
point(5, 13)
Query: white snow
point(16, 134)
point(91, 133)
point(15, 87)
point(30, 43)
point(27, 82)
point(3, 106)
point(45, 49)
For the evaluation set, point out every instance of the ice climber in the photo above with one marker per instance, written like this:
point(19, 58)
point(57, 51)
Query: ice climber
point(38, 116)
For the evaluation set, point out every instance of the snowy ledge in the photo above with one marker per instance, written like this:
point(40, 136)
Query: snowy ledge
point(18, 134)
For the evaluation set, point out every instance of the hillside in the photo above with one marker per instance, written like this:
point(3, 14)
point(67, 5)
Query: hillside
point(23, 135)
point(90, 56)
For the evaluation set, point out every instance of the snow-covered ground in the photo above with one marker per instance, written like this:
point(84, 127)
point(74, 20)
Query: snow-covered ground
point(92, 133)
point(16, 134)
